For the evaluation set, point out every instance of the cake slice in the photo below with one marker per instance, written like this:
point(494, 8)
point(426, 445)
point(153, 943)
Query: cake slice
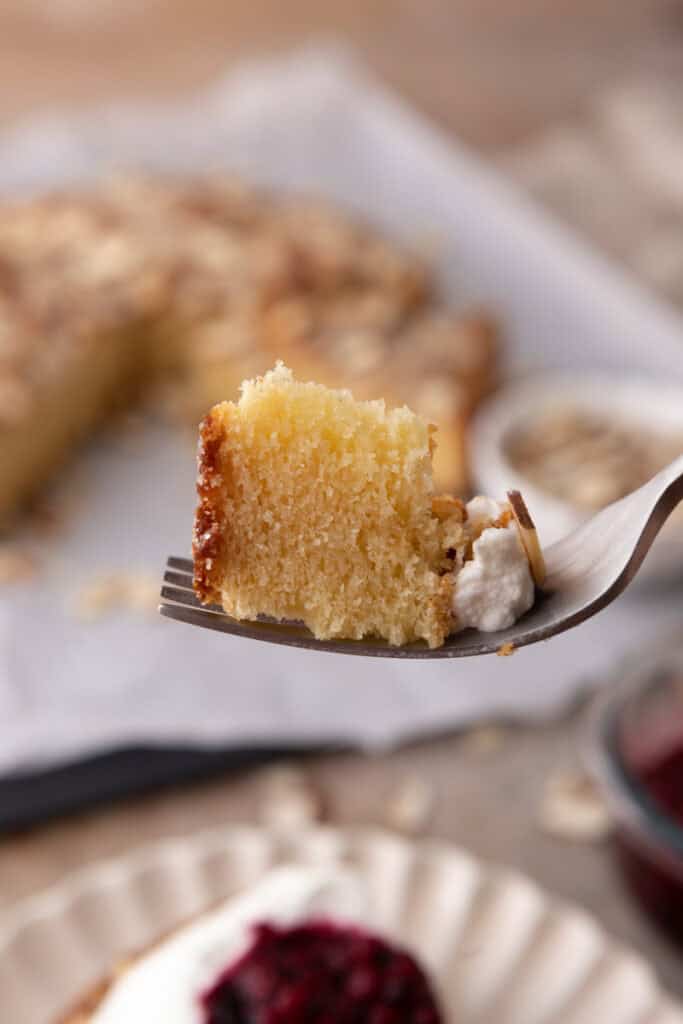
point(320, 508)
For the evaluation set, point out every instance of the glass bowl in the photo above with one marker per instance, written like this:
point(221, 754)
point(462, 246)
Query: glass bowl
point(635, 753)
point(639, 402)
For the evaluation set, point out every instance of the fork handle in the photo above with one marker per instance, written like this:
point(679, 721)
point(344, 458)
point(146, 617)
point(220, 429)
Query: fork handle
point(667, 492)
point(672, 480)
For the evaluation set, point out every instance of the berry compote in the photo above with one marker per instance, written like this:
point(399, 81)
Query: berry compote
point(659, 885)
point(318, 972)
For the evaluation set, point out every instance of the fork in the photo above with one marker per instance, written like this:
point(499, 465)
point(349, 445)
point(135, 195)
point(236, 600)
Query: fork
point(585, 572)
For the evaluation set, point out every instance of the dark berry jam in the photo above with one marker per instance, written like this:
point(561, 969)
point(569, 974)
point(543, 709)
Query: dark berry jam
point(663, 780)
point(320, 973)
point(659, 885)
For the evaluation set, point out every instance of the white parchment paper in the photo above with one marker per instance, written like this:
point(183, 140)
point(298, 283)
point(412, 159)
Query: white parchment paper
point(314, 122)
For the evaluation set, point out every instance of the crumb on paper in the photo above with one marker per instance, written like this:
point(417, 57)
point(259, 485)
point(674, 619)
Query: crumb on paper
point(572, 809)
point(410, 806)
point(16, 564)
point(484, 739)
point(289, 800)
point(117, 591)
point(506, 650)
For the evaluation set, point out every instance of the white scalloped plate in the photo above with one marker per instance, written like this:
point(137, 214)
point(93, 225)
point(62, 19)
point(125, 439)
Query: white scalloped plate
point(501, 951)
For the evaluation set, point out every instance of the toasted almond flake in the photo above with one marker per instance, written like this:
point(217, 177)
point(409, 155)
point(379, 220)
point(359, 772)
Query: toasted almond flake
point(410, 806)
point(528, 536)
point(96, 598)
point(141, 593)
point(484, 739)
point(506, 650)
point(115, 591)
point(572, 808)
point(289, 800)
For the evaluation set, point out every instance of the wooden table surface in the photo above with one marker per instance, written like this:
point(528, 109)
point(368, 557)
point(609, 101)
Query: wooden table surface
point(492, 70)
point(495, 72)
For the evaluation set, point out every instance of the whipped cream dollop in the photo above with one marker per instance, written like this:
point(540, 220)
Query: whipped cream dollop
point(495, 587)
point(167, 983)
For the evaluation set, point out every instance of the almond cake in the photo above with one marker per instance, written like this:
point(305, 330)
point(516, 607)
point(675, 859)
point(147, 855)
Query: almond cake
point(316, 507)
point(194, 285)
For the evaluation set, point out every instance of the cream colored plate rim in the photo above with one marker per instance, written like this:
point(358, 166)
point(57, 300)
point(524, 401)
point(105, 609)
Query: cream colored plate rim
point(500, 949)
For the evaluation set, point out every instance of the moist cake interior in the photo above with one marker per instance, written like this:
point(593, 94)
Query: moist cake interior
point(317, 507)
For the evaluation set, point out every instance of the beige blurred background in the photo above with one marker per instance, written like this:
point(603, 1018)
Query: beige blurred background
point(495, 71)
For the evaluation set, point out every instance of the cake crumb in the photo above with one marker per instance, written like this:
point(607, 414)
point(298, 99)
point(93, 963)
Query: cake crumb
point(116, 591)
point(410, 806)
point(483, 740)
point(572, 809)
point(289, 800)
point(444, 506)
point(16, 564)
point(506, 650)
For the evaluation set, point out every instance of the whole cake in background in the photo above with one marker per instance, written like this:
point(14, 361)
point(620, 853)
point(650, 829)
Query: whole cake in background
point(195, 285)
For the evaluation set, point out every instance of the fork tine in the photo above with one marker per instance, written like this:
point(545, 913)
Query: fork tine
point(178, 579)
point(179, 603)
point(185, 597)
point(193, 616)
point(579, 585)
point(211, 617)
point(185, 565)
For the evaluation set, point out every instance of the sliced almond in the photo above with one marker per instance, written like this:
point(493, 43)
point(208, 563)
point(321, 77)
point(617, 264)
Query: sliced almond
point(571, 808)
point(289, 800)
point(410, 807)
point(528, 536)
point(114, 591)
point(483, 740)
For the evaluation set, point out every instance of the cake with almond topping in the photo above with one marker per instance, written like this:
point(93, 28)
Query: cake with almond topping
point(188, 287)
point(319, 508)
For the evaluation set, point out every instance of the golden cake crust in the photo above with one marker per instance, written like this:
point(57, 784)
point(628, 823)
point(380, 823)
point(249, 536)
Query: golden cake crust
point(210, 527)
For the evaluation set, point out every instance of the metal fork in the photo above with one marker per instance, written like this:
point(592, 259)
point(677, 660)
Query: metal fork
point(585, 572)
